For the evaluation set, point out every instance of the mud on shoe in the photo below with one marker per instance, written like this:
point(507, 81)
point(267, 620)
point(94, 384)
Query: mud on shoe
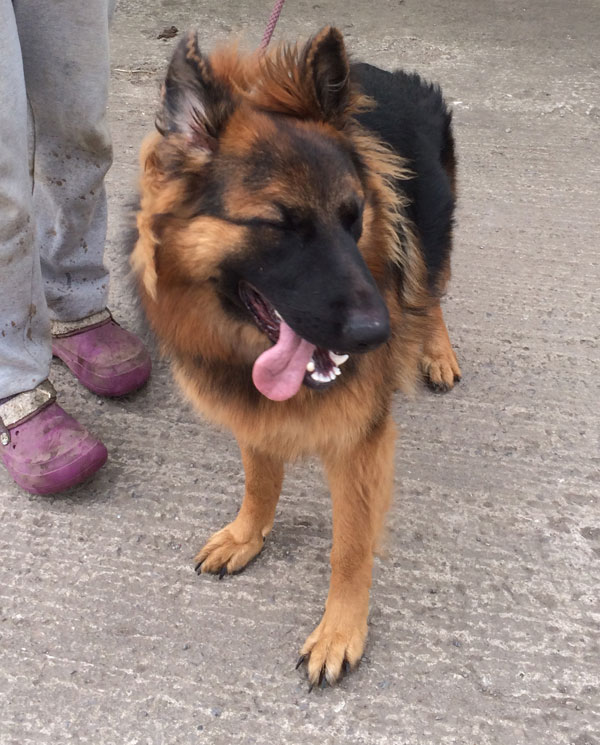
point(43, 448)
point(105, 358)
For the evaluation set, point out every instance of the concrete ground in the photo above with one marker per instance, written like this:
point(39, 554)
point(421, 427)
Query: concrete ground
point(485, 621)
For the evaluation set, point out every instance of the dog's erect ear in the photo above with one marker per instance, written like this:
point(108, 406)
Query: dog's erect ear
point(326, 63)
point(196, 104)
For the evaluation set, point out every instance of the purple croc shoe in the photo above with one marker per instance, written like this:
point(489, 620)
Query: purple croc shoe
point(44, 449)
point(103, 356)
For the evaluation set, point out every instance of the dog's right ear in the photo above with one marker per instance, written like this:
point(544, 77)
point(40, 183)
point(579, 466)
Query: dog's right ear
point(196, 104)
point(326, 65)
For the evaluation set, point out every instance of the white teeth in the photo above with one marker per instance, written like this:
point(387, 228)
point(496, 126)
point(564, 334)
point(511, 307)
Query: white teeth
point(325, 377)
point(338, 359)
point(277, 315)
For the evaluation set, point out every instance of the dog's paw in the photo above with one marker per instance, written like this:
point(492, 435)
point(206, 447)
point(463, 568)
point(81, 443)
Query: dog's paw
point(334, 647)
point(440, 369)
point(225, 553)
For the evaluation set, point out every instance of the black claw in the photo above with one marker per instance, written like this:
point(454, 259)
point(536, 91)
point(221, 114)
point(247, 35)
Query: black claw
point(346, 667)
point(310, 687)
point(321, 676)
point(198, 567)
point(223, 572)
point(323, 683)
point(301, 659)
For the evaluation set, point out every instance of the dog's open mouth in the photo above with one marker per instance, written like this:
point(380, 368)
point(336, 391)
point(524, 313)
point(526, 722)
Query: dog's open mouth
point(280, 371)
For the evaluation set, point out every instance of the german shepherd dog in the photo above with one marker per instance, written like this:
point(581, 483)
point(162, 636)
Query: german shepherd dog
point(294, 240)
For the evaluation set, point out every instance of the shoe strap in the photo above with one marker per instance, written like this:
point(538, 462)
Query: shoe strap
point(60, 329)
point(22, 406)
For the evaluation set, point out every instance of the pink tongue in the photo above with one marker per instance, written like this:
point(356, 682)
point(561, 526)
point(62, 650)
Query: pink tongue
point(278, 372)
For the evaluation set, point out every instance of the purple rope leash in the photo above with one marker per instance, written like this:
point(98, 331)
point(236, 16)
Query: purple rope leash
point(275, 13)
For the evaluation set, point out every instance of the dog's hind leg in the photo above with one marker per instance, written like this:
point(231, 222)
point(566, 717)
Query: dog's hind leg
point(438, 361)
point(361, 487)
point(231, 548)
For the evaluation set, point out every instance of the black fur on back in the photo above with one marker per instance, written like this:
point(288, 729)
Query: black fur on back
point(412, 117)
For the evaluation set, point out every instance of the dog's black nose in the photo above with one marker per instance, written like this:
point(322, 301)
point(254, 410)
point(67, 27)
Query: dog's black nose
point(365, 330)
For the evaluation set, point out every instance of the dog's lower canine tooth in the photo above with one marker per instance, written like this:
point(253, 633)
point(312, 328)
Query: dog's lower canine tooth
point(310, 367)
point(338, 359)
point(337, 371)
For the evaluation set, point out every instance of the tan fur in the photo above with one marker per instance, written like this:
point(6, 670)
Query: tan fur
point(439, 363)
point(350, 427)
point(240, 541)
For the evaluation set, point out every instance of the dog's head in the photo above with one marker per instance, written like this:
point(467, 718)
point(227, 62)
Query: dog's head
point(255, 191)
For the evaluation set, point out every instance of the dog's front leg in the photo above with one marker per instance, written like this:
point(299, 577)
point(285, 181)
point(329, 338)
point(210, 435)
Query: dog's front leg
point(231, 548)
point(361, 485)
point(438, 361)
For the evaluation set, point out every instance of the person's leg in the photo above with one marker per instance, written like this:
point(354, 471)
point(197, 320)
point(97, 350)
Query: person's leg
point(66, 64)
point(43, 448)
point(25, 346)
point(66, 60)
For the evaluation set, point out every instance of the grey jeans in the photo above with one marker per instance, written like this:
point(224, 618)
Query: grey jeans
point(55, 150)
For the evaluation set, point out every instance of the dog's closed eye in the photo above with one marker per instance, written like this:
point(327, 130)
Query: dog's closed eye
point(350, 215)
point(292, 218)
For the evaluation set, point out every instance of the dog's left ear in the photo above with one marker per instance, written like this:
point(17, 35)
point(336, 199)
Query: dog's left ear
point(325, 62)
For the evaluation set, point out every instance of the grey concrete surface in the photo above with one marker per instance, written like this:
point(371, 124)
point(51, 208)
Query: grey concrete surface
point(485, 621)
